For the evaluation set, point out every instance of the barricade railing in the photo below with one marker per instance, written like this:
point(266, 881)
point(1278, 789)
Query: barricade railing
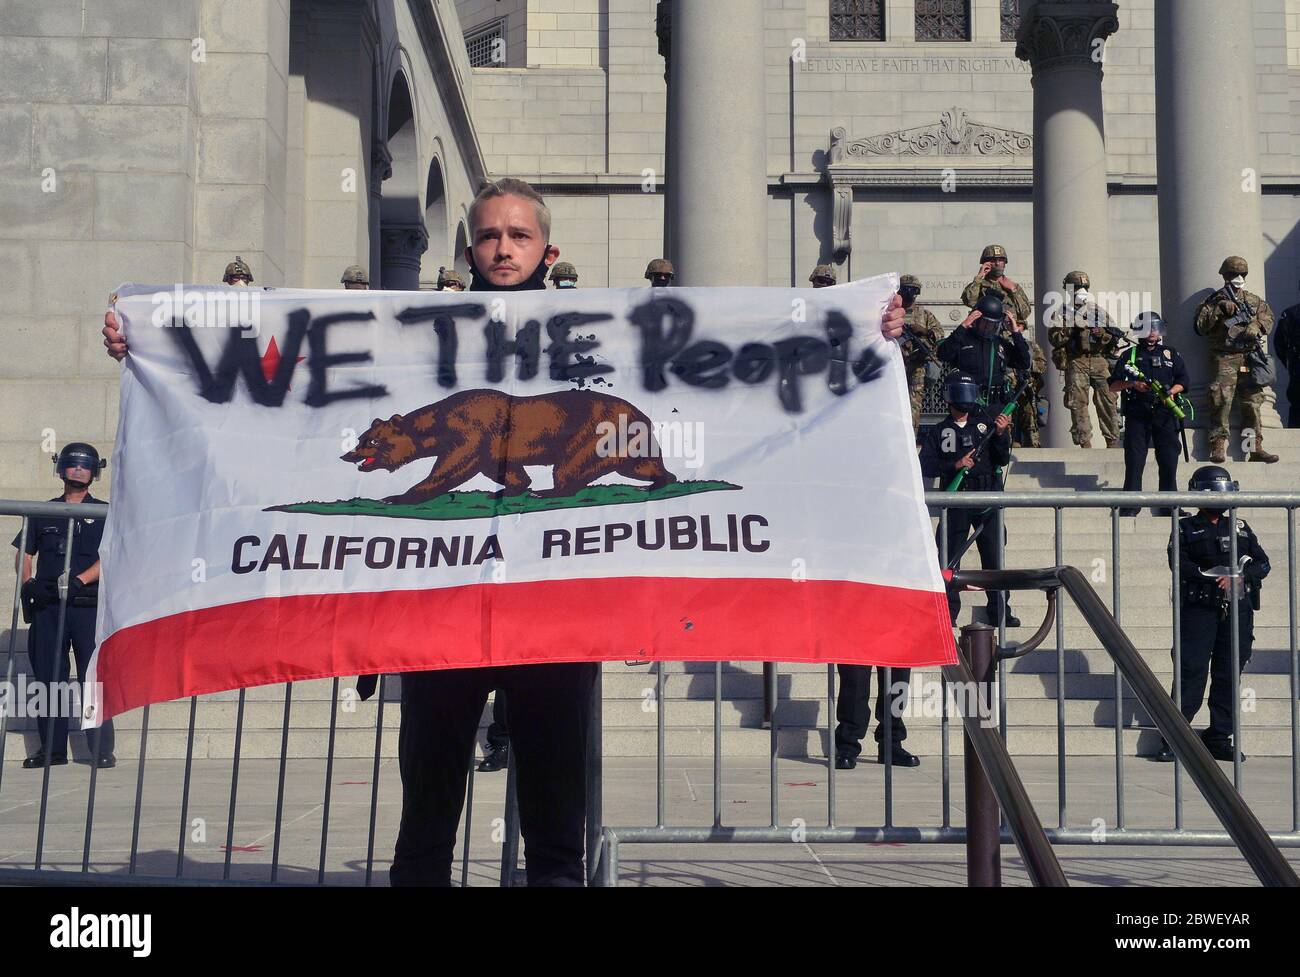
point(604, 841)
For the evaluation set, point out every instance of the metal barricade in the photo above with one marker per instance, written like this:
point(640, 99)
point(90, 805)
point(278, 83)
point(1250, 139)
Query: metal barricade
point(604, 841)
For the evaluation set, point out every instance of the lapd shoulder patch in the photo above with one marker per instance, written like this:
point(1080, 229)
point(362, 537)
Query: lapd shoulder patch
point(1169, 355)
point(981, 427)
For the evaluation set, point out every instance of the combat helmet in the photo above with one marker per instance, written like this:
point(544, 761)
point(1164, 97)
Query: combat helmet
point(660, 266)
point(823, 274)
point(1079, 279)
point(992, 252)
point(564, 274)
point(1234, 265)
point(354, 275)
point(238, 269)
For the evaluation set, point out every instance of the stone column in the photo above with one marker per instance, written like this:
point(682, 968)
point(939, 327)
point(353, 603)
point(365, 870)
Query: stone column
point(402, 246)
point(717, 123)
point(1207, 159)
point(1063, 41)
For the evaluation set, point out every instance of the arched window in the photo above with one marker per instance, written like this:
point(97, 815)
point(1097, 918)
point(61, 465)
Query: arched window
point(943, 20)
point(857, 20)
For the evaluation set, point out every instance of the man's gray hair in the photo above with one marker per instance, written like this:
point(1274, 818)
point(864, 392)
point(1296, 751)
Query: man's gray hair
point(515, 188)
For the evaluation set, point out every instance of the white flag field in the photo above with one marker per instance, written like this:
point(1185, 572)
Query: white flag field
point(321, 483)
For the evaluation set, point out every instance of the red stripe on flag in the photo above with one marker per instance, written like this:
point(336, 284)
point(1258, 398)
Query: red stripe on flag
point(280, 639)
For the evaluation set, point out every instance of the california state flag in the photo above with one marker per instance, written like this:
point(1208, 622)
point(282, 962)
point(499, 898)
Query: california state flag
point(311, 484)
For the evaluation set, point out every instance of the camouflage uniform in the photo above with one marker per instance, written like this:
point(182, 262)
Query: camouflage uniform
point(1086, 357)
point(1017, 300)
point(1025, 420)
point(922, 322)
point(1228, 348)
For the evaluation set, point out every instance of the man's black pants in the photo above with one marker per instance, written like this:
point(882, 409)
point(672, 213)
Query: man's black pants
point(498, 733)
point(961, 522)
point(50, 664)
point(1207, 652)
point(1141, 431)
point(550, 709)
point(853, 706)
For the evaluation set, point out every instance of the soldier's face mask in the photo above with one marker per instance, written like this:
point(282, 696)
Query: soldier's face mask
point(237, 280)
point(565, 283)
point(1238, 281)
point(1080, 296)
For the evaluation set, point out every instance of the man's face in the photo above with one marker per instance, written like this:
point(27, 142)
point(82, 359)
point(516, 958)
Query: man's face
point(77, 476)
point(508, 243)
point(453, 287)
point(660, 279)
point(357, 287)
point(999, 266)
point(239, 280)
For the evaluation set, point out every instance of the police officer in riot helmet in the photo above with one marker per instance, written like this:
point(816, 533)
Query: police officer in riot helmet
point(989, 342)
point(953, 446)
point(823, 276)
point(660, 272)
point(355, 278)
point(564, 275)
point(238, 273)
point(1152, 377)
point(45, 585)
point(1208, 584)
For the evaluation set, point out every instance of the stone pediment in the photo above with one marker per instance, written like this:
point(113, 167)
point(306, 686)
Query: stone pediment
point(955, 134)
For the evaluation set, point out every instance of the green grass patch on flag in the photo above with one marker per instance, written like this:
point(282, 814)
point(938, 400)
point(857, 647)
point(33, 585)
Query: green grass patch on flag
point(481, 505)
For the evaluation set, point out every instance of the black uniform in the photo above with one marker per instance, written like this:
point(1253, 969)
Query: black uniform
point(47, 541)
point(948, 442)
point(853, 706)
point(1146, 420)
point(550, 711)
point(1287, 343)
point(987, 361)
point(1205, 617)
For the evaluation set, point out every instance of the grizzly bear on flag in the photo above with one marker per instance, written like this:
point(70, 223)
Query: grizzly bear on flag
point(492, 433)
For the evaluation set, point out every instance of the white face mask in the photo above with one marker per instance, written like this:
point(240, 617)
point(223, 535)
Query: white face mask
point(1239, 282)
point(1080, 296)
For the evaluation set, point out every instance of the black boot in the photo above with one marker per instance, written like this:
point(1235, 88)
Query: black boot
point(498, 758)
point(900, 756)
point(1219, 749)
point(845, 761)
point(1164, 754)
point(37, 760)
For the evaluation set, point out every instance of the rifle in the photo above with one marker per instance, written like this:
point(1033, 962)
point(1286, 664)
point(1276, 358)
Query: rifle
point(931, 355)
point(1166, 400)
point(992, 432)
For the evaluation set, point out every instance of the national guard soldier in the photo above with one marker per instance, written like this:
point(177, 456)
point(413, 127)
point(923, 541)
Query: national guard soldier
point(1150, 419)
point(660, 272)
point(238, 273)
point(78, 464)
point(1084, 344)
point(975, 440)
point(1236, 322)
point(1287, 341)
point(992, 277)
point(1205, 615)
point(823, 276)
point(920, 343)
point(450, 281)
point(564, 275)
point(1024, 425)
point(985, 348)
point(355, 278)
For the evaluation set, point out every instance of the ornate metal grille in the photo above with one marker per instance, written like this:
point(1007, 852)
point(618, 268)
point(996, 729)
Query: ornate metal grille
point(857, 20)
point(943, 20)
point(1010, 19)
point(486, 47)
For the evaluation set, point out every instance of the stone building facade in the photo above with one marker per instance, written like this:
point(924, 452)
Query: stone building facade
point(148, 141)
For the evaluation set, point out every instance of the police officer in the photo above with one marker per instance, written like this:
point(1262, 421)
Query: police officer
point(853, 715)
point(498, 737)
point(823, 276)
point(986, 345)
point(950, 447)
point(564, 275)
point(1287, 342)
point(355, 278)
point(1235, 321)
point(1147, 421)
point(238, 273)
point(78, 464)
point(1204, 544)
point(451, 282)
point(920, 343)
point(992, 277)
point(660, 272)
point(1085, 343)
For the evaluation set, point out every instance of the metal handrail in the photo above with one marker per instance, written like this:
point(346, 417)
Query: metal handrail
point(1237, 818)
